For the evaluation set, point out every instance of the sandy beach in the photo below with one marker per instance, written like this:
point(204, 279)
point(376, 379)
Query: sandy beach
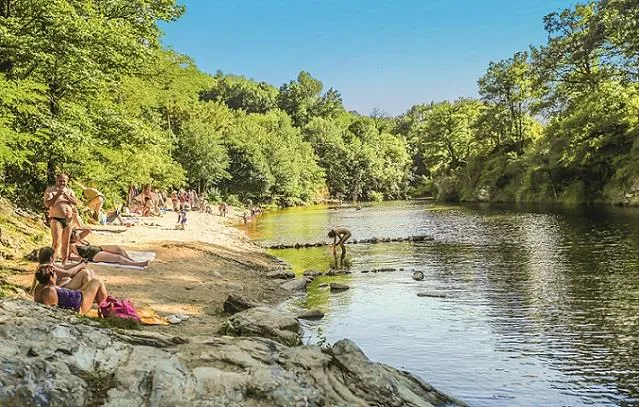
point(193, 272)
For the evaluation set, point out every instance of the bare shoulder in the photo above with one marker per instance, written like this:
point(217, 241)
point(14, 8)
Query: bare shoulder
point(48, 296)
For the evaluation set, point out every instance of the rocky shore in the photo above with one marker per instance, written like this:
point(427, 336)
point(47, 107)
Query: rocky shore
point(235, 350)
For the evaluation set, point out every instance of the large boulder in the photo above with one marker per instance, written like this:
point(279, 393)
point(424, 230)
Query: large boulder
point(50, 357)
point(267, 323)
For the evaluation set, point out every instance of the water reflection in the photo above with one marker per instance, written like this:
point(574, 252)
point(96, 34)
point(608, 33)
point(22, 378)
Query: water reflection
point(537, 305)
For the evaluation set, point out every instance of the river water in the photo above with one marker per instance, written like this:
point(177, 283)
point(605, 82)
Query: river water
point(527, 306)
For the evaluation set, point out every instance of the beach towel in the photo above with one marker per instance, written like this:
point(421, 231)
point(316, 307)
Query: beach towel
point(137, 256)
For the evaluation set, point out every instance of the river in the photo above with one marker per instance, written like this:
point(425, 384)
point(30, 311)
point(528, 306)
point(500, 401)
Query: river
point(527, 306)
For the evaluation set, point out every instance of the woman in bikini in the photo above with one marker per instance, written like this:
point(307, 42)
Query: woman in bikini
point(48, 293)
point(81, 249)
point(60, 201)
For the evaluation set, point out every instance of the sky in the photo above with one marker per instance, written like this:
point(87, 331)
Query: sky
point(379, 54)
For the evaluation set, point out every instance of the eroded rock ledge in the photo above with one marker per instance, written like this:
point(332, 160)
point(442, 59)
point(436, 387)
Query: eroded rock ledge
point(50, 357)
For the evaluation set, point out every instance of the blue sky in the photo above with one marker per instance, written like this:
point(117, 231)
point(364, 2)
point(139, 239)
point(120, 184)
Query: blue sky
point(378, 54)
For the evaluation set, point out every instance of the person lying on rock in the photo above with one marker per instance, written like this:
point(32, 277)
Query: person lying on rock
point(71, 277)
point(47, 292)
point(342, 234)
point(81, 250)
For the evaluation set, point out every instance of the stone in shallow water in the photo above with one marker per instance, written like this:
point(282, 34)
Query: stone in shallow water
point(339, 287)
point(418, 276)
point(432, 294)
point(311, 315)
point(312, 273)
point(295, 285)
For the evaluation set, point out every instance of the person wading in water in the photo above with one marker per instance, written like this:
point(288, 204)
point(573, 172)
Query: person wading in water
point(60, 200)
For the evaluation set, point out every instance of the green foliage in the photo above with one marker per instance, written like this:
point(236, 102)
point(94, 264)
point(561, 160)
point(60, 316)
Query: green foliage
point(87, 88)
point(239, 93)
point(302, 100)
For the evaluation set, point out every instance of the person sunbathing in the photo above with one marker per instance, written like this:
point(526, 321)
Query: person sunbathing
point(81, 249)
point(72, 278)
point(49, 293)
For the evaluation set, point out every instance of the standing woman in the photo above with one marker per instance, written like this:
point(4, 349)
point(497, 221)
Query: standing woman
point(60, 200)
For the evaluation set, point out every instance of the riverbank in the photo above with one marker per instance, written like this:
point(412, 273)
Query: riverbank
point(54, 357)
point(193, 272)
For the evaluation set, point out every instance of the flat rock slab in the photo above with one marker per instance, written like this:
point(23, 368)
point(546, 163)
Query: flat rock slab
point(51, 357)
point(268, 323)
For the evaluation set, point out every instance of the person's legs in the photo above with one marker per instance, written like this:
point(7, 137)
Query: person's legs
point(93, 291)
point(115, 249)
point(56, 234)
point(106, 257)
point(80, 280)
point(65, 243)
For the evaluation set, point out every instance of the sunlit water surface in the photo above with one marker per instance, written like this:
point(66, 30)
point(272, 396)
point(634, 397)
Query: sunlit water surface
point(540, 305)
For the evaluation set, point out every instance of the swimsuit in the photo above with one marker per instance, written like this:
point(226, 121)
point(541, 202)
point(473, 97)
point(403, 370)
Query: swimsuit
point(64, 222)
point(69, 299)
point(88, 251)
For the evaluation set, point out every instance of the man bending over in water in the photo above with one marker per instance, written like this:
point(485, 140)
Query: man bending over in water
point(60, 200)
point(342, 234)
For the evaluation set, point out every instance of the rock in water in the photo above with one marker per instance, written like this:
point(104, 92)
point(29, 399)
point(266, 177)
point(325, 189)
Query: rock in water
point(139, 368)
point(418, 276)
point(339, 287)
point(311, 315)
point(295, 285)
point(312, 273)
point(431, 294)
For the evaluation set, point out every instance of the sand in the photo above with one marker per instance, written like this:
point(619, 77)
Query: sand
point(194, 270)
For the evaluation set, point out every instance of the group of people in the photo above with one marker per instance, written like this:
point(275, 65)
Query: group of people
point(73, 286)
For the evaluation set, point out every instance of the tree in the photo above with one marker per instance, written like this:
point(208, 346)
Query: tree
point(239, 93)
point(302, 100)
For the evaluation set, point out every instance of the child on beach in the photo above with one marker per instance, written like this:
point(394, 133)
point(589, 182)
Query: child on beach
point(181, 221)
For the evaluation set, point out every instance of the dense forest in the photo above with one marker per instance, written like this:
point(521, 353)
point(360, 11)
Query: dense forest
point(86, 87)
